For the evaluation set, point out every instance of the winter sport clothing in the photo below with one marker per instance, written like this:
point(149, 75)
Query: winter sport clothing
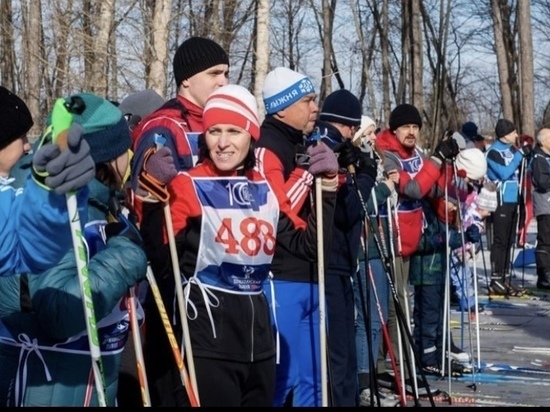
point(417, 176)
point(63, 377)
point(226, 228)
point(34, 227)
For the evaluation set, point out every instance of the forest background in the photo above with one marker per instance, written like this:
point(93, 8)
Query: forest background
point(456, 60)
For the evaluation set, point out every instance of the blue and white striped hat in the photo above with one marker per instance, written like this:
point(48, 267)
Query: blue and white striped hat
point(283, 87)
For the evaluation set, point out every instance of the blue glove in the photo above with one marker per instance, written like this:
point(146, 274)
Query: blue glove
point(473, 234)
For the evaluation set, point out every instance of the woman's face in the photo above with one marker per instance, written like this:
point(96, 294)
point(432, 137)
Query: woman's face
point(369, 136)
point(228, 146)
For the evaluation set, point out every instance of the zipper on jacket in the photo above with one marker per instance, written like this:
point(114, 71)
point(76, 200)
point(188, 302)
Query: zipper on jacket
point(251, 329)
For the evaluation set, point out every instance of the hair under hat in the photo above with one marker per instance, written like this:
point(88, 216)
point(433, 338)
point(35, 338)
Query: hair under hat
point(341, 106)
point(15, 117)
point(473, 162)
point(404, 114)
point(195, 55)
point(487, 199)
point(366, 122)
point(232, 104)
point(105, 129)
point(283, 87)
point(504, 127)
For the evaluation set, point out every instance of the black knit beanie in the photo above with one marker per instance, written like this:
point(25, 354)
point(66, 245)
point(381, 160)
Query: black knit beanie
point(504, 127)
point(15, 117)
point(342, 107)
point(195, 55)
point(404, 114)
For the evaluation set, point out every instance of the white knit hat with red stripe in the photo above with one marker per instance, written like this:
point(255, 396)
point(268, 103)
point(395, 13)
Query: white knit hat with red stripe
point(232, 104)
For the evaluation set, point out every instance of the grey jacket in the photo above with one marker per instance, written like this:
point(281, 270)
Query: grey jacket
point(540, 177)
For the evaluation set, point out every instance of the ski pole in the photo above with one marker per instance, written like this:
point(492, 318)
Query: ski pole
point(140, 362)
point(163, 196)
point(400, 316)
point(116, 215)
point(478, 344)
point(517, 217)
point(172, 339)
point(321, 281)
point(62, 117)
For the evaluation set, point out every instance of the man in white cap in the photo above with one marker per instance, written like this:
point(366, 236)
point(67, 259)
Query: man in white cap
point(291, 112)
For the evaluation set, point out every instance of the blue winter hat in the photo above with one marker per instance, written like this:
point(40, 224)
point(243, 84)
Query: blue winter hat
point(105, 128)
point(342, 107)
point(283, 87)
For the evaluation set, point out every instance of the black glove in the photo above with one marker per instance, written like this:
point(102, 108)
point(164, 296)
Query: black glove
point(446, 149)
point(367, 165)
point(348, 154)
point(526, 150)
point(124, 228)
point(472, 234)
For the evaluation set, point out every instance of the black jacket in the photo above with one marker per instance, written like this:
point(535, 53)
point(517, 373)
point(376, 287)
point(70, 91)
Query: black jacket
point(285, 143)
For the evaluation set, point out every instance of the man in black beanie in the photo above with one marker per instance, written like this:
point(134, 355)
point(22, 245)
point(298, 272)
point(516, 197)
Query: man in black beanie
point(417, 175)
point(338, 121)
point(505, 167)
point(200, 66)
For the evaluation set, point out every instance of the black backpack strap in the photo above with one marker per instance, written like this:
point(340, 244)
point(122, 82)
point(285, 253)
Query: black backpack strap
point(25, 301)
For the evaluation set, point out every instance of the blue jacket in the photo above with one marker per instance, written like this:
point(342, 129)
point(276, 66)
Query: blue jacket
point(503, 162)
point(34, 227)
point(48, 311)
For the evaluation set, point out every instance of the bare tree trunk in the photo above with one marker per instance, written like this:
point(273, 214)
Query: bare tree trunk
point(99, 75)
point(159, 57)
point(88, 11)
point(326, 82)
point(416, 51)
point(384, 44)
point(441, 97)
point(261, 59)
point(62, 58)
point(527, 88)
point(401, 91)
point(33, 66)
point(502, 65)
point(7, 50)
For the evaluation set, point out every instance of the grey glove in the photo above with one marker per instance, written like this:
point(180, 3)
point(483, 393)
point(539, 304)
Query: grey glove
point(161, 165)
point(322, 160)
point(65, 170)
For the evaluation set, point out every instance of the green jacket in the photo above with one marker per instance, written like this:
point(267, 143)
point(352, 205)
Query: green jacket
point(428, 265)
point(42, 320)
